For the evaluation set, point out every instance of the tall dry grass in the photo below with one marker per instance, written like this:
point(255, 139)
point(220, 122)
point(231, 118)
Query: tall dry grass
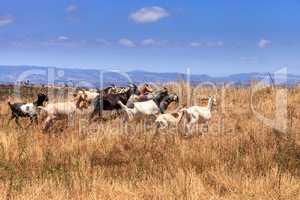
point(239, 158)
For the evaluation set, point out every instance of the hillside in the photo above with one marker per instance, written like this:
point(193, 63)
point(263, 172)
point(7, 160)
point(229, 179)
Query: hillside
point(92, 77)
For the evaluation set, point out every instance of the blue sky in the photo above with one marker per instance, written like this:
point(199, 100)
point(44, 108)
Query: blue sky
point(209, 36)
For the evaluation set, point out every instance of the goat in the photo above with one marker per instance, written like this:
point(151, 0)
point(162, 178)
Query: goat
point(143, 96)
point(27, 109)
point(198, 114)
point(88, 95)
point(146, 89)
point(110, 101)
point(92, 94)
point(56, 110)
point(112, 89)
point(148, 108)
point(168, 120)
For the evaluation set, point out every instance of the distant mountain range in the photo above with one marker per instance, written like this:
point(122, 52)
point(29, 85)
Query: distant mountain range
point(95, 78)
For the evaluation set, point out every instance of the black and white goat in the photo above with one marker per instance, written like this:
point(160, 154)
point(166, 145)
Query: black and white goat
point(148, 108)
point(27, 109)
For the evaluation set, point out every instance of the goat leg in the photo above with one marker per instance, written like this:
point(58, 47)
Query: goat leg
point(188, 129)
point(17, 122)
point(47, 123)
point(205, 127)
point(11, 118)
point(36, 120)
point(30, 123)
point(32, 120)
point(92, 115)
point(125, 126)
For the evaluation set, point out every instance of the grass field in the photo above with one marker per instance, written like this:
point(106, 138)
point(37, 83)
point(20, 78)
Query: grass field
point(239, 157)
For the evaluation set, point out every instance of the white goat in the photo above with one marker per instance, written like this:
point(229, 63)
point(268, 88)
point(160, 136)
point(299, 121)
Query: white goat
point(168, 120)
point(56, 110)
point(148, 108)
point(198, 114)
point(140, 110)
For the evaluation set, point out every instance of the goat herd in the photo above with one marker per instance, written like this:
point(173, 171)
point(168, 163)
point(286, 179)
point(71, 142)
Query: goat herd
point(135, 104)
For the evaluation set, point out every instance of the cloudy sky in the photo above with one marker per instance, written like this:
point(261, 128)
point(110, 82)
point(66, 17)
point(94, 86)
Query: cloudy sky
point(208, 36)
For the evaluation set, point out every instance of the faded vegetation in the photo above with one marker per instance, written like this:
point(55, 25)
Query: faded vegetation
point(239, 157)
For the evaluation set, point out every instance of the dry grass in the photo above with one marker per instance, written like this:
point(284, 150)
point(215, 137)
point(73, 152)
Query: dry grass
point(239, 158)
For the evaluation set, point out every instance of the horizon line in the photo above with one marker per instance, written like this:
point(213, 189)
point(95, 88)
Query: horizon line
point(141, 70)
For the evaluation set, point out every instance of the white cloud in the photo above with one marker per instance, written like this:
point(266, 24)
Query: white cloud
point(263, 43)
point(56, 41)
point(62, 38)
point(103, 42)
point(71, 8)
point(6, 20)
point(149, 14)
point(196, 44)
point(150, 42)
point(216, 44)
point(126, 42)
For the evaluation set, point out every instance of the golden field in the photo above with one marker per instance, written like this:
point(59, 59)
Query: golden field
point(239, 157)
